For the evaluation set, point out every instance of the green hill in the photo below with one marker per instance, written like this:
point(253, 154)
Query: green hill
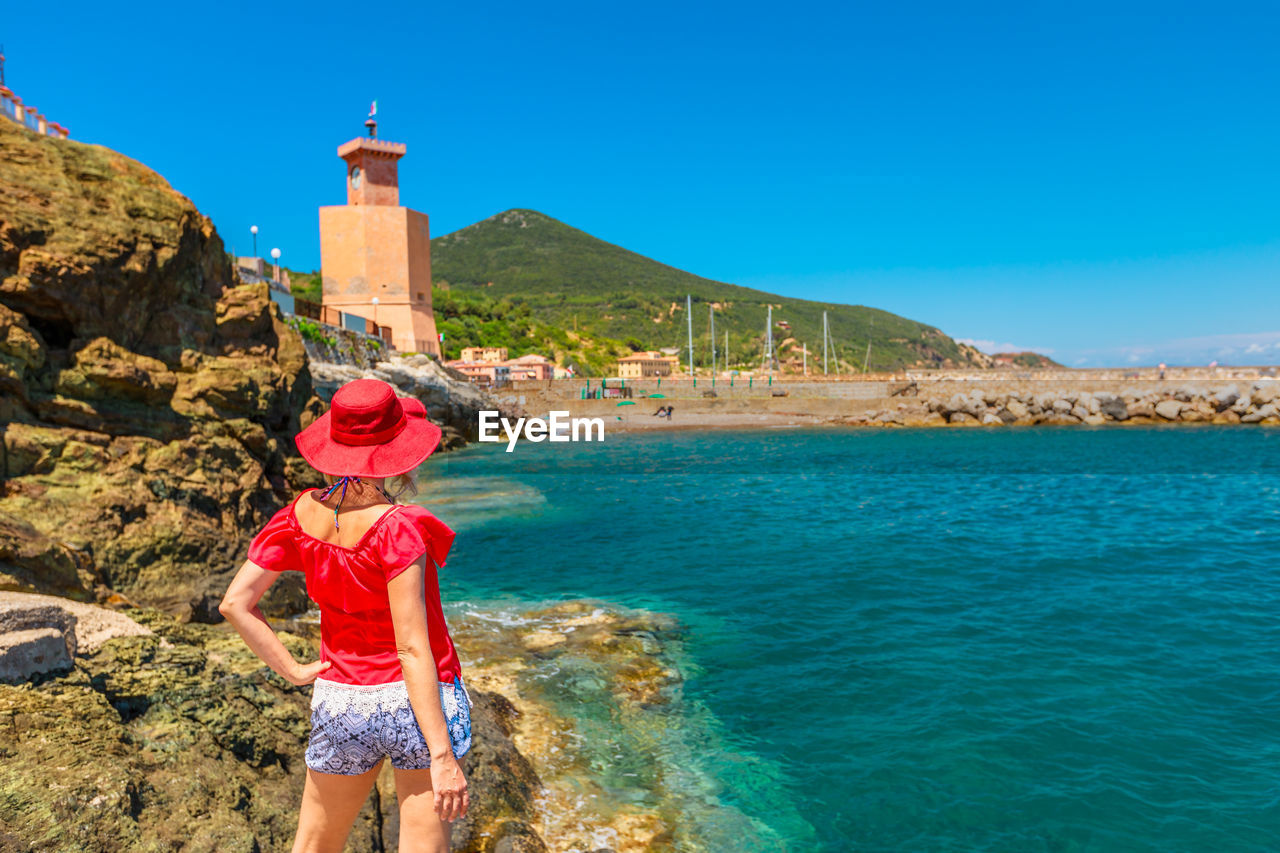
point(572, 281)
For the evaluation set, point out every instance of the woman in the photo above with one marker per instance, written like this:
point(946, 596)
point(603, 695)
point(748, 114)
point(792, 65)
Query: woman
point(388, 682)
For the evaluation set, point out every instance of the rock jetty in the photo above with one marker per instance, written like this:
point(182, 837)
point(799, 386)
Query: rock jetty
point(1258, 403)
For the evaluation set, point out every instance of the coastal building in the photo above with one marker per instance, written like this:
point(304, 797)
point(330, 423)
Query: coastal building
point(507, 370)
point(484, 353)
point(531, 367)
point(641, 365)
point(375, 255)
point(483, 372)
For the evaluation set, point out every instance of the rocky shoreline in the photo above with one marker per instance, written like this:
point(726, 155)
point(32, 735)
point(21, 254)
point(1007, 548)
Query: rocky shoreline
point(148, 400)
point(160, 734)
point(1258, 403)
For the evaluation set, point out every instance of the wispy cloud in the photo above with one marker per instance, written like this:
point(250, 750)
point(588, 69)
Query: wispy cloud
point(990, 347)
point(1234, 348)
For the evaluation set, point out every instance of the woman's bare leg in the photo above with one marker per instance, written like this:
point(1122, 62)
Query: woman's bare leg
point(330, 803)
point(421, 829)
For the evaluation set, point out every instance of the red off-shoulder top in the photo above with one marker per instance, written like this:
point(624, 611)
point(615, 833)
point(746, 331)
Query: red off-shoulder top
point(350, 587)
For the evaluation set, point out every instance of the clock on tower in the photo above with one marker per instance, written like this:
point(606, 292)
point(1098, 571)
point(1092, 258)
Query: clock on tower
point(372, 175)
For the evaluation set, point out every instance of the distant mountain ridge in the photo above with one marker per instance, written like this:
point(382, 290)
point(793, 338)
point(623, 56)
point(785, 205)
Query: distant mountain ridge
point(570, 279)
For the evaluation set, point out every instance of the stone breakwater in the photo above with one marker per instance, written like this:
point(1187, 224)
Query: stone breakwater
point(1258, 403)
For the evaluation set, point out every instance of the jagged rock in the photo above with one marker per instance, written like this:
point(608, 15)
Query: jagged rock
point(1264, 392)
point(1061, 406)
point(1016, 408)
point(961, 418)
point(1008, 417)
point(150, 397)
point(1168, 409)
point(32, 652)
point(1260, 414)
point(992, 419)
point(1079, 411)
point(42, 633)
point(1094, 420)
point(33, 562)
point(1226, 417)
point(1114, 408)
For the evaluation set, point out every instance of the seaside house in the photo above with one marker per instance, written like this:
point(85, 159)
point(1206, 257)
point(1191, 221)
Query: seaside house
point(488, 373)
point(641, 365)
point(531, 367)
point(484, 353)
point(492, 371)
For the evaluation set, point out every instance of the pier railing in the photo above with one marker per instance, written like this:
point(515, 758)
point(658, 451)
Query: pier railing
point(328, 316)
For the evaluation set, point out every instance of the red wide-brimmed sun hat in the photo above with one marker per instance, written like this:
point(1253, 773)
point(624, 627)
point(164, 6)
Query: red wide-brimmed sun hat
point(369, 432)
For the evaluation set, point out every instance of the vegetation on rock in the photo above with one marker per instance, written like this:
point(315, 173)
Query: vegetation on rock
point(148, 397)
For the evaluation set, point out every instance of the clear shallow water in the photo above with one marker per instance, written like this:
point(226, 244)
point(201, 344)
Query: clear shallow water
point(943, 640)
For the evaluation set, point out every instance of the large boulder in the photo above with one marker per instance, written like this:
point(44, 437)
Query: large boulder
point(147, 396)
point(42, 633)
point(1259, 414)
point(1114, 408)
point(1168, 409)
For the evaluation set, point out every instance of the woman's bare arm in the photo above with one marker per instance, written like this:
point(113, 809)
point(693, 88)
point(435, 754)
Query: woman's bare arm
point(407, 592)
point(240, 607)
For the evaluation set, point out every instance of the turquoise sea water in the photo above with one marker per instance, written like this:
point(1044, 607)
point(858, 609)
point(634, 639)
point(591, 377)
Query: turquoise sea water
point(939, 640)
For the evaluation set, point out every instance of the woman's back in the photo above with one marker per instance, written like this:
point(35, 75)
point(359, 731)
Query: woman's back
point(348, 567)
point(316, 519)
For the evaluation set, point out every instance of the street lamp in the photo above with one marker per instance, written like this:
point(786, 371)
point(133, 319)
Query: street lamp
point(275, 258)
point(253, 229)
point(375, 312)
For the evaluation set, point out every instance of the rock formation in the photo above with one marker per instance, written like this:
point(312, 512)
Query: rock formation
point(147, 398)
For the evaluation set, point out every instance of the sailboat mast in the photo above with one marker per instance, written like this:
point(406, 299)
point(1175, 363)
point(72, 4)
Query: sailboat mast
point(688, 310)
point(711, 309)
point(867, 359)
point(768, 341)
point(825, 335)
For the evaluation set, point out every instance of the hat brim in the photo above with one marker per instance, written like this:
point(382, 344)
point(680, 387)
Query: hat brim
point(406, 451)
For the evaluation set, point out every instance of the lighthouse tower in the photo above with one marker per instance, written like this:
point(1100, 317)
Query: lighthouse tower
point(372, 248)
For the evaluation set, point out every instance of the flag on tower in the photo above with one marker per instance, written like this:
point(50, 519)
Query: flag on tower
point(373, 109)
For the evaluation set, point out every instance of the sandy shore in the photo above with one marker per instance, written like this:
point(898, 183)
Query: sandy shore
point(714, 420)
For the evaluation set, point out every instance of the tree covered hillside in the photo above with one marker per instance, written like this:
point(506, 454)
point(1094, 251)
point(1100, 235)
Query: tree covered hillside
point(579, 284)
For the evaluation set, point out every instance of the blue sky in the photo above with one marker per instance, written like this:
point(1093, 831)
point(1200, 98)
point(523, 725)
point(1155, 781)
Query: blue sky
point(1097, 181)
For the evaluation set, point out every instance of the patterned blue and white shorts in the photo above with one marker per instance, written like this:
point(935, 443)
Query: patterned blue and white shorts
point(353, 726)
